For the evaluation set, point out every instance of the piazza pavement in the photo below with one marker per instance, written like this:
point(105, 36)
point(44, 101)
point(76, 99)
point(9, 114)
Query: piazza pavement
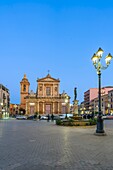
point(42, 145)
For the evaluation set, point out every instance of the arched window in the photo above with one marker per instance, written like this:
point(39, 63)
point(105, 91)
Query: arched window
point(24, 87)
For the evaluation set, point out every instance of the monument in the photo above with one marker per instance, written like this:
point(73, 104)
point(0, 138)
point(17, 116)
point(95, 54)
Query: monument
point(75, 103)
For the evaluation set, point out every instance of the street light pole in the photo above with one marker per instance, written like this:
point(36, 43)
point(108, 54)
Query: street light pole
point(98, 66)
point(99, 118)
point(99, 91)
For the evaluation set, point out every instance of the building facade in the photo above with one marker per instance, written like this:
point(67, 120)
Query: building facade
point(14, 109)
point(110, 102)
point(91, 97)
point(46, 100)
point(104, 104)
point(4, 102)
point(88, 96)
point(82, 108)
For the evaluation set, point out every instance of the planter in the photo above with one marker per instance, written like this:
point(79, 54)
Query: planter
point(72, 122)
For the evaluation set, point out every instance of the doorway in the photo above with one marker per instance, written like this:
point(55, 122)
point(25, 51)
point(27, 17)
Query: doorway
point(48, 109)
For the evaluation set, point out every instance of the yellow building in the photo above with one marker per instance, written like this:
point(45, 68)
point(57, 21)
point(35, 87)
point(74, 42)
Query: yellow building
point(46, 100)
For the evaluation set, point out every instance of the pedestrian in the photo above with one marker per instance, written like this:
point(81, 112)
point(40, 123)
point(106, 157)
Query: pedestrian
point(39, 117)
point(52, 117)
point(35, 117)
point(48, 118)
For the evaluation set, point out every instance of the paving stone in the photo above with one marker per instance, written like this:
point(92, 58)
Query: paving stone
point(42, 145)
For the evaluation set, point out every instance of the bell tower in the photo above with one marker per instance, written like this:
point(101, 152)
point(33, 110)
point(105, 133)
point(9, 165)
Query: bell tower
point(24, 91)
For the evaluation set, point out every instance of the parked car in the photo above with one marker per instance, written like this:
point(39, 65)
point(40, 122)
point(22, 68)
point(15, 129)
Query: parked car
point(63, 116)
point(104, 116)
point(108, 117)
point(21, 117)
point(30, 117)
point(44, 118)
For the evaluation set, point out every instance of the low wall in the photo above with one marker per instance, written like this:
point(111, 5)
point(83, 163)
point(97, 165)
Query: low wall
point(76, 123)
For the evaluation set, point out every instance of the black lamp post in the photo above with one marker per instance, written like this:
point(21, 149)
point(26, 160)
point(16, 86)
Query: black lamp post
point(98, 66)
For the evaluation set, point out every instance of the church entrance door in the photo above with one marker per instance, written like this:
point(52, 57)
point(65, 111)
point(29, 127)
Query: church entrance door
point(48, 108)
point(32, 110)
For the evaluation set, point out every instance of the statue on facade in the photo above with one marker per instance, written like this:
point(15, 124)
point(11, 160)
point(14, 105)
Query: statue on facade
point(75, 93)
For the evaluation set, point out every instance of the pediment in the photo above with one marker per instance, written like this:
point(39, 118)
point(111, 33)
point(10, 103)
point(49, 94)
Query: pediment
point(48, 78)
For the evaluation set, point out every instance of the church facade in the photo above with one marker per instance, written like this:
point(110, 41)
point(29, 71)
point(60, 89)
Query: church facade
point(46, 100)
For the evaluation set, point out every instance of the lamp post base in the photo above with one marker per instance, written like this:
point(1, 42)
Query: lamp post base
point(100, 131)
point(100, 134)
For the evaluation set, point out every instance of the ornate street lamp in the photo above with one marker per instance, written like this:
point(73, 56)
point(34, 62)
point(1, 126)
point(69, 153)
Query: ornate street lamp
point(98, 66)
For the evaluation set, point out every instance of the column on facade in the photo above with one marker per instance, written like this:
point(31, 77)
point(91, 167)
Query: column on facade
point(58, 90)
point(53, 90)
point(38, 107)
point(53, 110)
point(58, 107)
point(35, 108)
point(26, 108)
point(43, 90)
point(43, 108)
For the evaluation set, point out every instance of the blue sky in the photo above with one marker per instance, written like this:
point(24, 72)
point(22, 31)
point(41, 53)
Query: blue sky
point(56, 35)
